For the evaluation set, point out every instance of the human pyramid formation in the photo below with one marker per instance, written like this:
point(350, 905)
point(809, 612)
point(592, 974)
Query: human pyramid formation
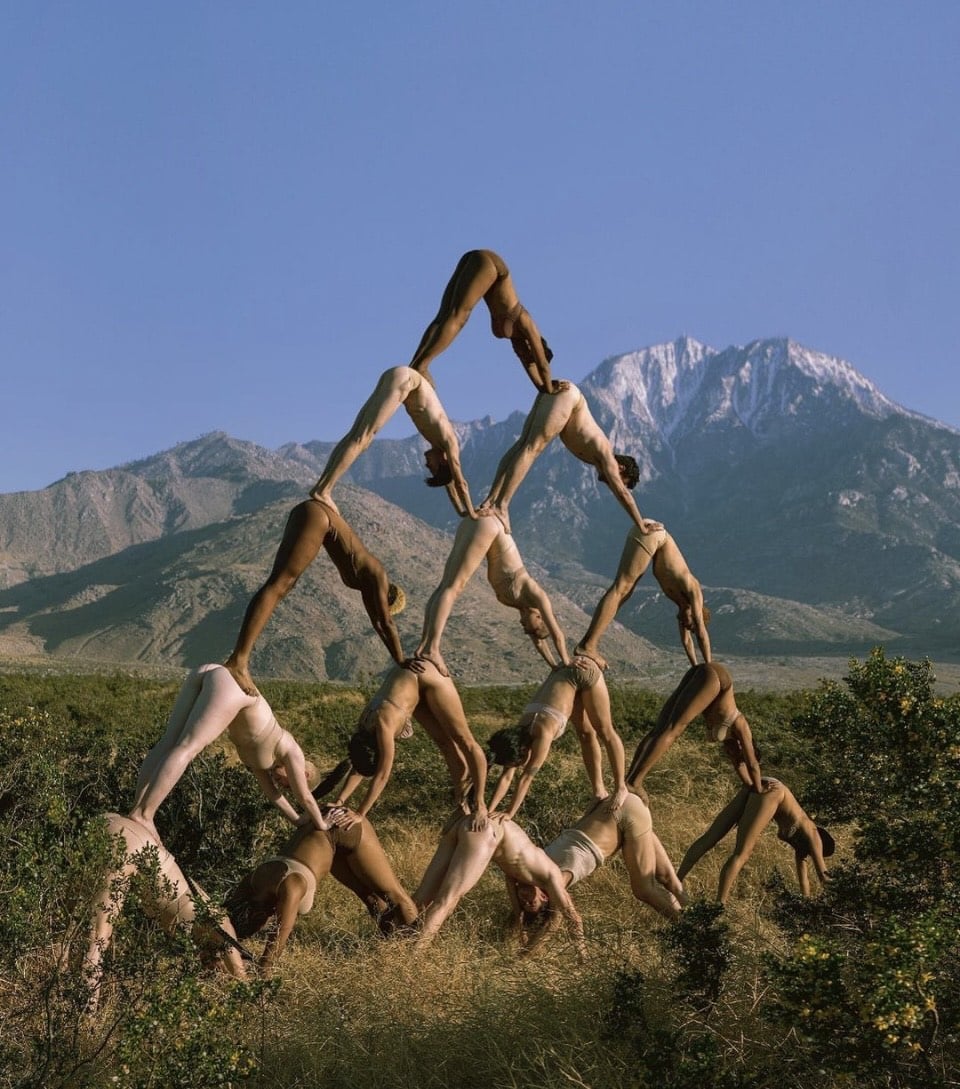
point(331, 838)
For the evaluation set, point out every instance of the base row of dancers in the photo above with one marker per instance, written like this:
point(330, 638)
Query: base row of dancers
point(333, 837)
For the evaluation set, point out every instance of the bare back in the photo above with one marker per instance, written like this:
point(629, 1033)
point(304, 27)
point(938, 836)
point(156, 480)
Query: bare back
point(423, 407)
point(347, 553)
point(672, 573)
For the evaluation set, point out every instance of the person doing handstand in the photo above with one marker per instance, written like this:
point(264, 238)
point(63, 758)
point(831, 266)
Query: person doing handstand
point(565, 413)
point(313, 525)
point(577, 693)
point(595, 838)
point(676, 581)
point(750, 813)
point(210, 703)
point(171, 901)
point(433, 700)
point(514, 586)
point(706, 689)
point(284, 885)
point(463, 856)
point(483, 274)
point(401, 386)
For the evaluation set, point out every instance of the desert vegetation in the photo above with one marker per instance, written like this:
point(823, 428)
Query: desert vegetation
point(858, 986)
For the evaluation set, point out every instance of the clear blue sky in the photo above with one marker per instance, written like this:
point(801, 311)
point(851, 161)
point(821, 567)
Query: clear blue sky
point(235, 215)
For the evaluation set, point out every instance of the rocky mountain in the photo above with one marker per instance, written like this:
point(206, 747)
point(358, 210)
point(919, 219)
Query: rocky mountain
point(820, 516)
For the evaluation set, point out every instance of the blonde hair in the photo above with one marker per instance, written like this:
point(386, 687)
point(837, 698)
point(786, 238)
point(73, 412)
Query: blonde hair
point(396, 599)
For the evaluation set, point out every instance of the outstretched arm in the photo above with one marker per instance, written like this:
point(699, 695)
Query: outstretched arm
point(535, 595)
point(609, 470)
point(374, 594)
point(289, 896)
point(534, 762)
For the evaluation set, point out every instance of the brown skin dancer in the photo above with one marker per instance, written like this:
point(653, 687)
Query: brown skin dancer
point(399, 386)
point(564, 413)
point(313, 525)
point(706, 689)
point(483, 274)
point(750, 813)
point(676, 581)
point(278, 889)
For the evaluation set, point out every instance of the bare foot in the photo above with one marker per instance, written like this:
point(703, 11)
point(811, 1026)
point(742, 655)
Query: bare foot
point(241, 676)
point(582, 651)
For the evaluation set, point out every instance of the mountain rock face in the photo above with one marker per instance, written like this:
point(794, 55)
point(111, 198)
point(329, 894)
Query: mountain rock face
point(820, 516)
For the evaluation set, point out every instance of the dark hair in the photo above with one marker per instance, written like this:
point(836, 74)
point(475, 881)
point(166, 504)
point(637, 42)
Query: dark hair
point(330, 781)
point(705, 612)
point(248, 917)
point(442, 475)
point(546, 350)
point(629, 470)
point(396, 599)
point(509, 746)
point(826, 842)
point(364, 754)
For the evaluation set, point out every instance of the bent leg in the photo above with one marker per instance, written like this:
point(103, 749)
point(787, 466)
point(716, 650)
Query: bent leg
point(469, 859)
point(634, 560)
point(640, 855)
point(757, 814)
point(369, 868)
point(303, 536)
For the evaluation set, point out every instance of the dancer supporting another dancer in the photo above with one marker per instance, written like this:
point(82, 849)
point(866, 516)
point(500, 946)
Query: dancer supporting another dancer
point(707, 690)
point(209, 703)
point(402, 386)
point(514, 586)
point(750, 813)
point(577, 693)
point(313, 525)
point(565, 413)
point(483, 274)
point(172, 902)
point(463, 856)
point(676, 581)
point(433, 700)
point(285, 884)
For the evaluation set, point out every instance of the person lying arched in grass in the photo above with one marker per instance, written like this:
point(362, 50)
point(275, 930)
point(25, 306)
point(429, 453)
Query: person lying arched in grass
point(401, 386)
point(461, 859)
point(170, 899)
point(595, 838)
point(750, 813)
point(676, 581)
point(706, 689)
point(515, 587)
point(284, 885)
point(576, 693)
point(565, 413)
point(432, 699)
point(313, 525)
point(209, 704)
point(483, 274)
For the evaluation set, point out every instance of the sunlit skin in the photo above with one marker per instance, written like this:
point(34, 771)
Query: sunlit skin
point(676, 581)
point(563, 413)
point(750, 813)
point(483, 274)
point(397, 386)
point(313, 525)
point(706, 689)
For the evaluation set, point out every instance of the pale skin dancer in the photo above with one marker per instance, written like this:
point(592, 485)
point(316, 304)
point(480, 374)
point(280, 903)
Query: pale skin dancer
point(283, 886)
point(401, 386)
point(595, 838)
point(209, 704)
point(172, 903)
point(706, 689)
point(514, 586)
point(464, 855)
point(750, 813)
point(577, 693)
point(676, 581)
point(433, 700)
point(482, 274)
point(565, 413)
point(313, 525)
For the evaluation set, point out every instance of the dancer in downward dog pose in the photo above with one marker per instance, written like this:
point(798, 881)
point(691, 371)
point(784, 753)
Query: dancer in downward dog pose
point(514, 586)
point(402, 386)
point(577, 693)
point(313, 525)
point(483, 274)
point(284, 885)
point(750, 813)
point(462, 858)
point(594, 840)
point(433, 700)
point(706, 689)
point(211, 703)
point(565, 413)
point(676, 581)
